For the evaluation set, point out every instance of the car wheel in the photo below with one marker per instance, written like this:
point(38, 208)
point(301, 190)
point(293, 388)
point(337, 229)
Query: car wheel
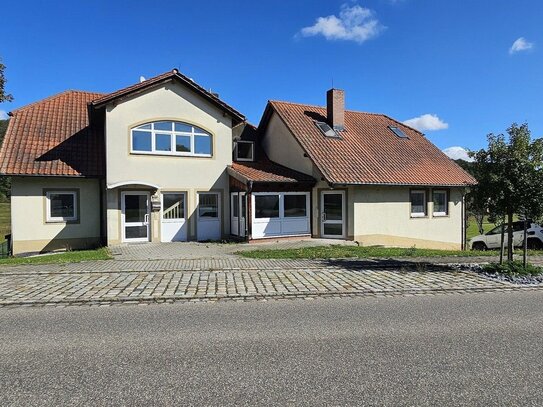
point(479, 246)
point(534, 244)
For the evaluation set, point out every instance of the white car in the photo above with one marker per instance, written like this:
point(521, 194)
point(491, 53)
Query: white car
point(492, 238)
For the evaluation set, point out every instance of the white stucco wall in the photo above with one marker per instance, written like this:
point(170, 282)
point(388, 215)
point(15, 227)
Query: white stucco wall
point(171, 173)
point(30, 230)
point(282, 148)
point(381, 215)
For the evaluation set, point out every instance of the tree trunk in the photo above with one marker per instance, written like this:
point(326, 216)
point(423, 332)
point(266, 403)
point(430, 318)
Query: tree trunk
point(502, 240)
point(525, 245)
point(509, 235)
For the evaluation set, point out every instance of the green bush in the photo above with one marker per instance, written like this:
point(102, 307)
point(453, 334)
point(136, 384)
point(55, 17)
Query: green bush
point(513, 268)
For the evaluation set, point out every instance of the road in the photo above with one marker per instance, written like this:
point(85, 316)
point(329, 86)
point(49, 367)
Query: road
point(471, 349)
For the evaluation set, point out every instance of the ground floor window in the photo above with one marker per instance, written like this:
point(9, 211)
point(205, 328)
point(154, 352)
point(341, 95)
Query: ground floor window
point(61, 206)
point(280, 214)
point(441, 203)
point(418, 203)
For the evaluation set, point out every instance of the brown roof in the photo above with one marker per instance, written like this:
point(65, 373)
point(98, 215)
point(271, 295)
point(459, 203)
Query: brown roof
point(53, 137)
point(267, 171)
point(171, 75)
point(368, 152)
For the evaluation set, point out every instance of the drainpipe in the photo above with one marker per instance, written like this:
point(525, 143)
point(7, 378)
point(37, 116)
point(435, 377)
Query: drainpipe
point(249, 190)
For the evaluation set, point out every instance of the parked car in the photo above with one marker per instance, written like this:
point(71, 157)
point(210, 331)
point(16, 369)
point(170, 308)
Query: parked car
point(492, 238)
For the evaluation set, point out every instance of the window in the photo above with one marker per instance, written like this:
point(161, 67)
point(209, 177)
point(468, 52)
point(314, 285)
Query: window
point(418, 203)
point(441, 203)
point(397, 131)
point(295, 206)
point(173, 206)
point(326, 129)
point(172, 138)
point(208, 205)
point(244, 151)
point(266, 206)
point(61, 206)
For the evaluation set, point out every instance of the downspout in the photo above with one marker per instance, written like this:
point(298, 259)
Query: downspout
point(463, 228)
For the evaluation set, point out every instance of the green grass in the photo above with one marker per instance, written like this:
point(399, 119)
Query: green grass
point(60, 258)
point(5, 220)
point(473, 229)
point(339, 252)
point(513, 269)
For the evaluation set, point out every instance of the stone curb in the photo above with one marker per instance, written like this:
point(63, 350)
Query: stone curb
point(261, 297)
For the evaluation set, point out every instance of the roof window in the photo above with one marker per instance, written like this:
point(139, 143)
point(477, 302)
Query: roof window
point(397, 131)
point(327, 130)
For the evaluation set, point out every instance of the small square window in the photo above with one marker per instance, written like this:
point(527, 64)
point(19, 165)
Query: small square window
point(61, 206)
point(440, 203)
point(244, 151)
point(163, 142)
point(418, 203)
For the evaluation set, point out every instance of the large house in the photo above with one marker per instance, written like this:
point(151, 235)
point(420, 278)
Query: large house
point(166, 160)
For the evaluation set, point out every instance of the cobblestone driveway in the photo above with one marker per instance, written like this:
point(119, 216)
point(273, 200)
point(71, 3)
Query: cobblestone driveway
point(112, 282)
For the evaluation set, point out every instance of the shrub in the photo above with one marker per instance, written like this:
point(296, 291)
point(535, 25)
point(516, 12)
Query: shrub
point(513, 268)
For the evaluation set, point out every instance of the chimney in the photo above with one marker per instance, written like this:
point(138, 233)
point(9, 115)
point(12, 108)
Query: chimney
point(335, 108)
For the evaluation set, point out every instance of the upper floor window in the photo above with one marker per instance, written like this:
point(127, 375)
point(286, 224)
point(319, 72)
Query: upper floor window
point(245, 151)
point(171, 138)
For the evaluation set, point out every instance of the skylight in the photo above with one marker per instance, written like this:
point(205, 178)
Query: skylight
point(397, 131)
point(327, 130)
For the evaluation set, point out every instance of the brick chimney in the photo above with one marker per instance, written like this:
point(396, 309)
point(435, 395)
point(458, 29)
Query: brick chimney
point(335, 108)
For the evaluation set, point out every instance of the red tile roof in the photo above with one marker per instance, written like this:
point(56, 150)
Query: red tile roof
point(175, 75)
point(53, 137)
point(267, 171)
point(368, 152)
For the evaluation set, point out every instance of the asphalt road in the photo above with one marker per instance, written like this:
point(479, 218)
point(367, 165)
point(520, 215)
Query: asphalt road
point(472, 349)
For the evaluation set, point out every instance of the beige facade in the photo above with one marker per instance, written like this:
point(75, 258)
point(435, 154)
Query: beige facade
point(33, 233)
point(158, 173)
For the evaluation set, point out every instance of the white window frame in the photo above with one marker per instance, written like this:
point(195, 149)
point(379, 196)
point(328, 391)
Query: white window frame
point(252, 150)
point(196, 131)
point(440, 214)
point(425, 205)
point(50, 218)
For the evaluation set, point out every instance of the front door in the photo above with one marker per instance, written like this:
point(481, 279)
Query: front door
point(238, 209)
point(333, 214)
point(208, 226)
point(135, 213)
point(174, 225)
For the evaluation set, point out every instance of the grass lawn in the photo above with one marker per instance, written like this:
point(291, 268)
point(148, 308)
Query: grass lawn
point(473, 229)
point(362, 252)
point(65, 257)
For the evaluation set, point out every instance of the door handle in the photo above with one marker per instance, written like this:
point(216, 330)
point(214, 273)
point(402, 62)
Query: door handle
point(146, 219)
point(323, 216)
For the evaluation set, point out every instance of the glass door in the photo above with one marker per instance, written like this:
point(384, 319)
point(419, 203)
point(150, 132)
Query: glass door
point(333, 214)
point(135, 213)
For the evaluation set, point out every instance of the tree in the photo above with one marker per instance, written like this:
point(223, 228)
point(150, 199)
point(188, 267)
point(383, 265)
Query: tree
point(4, 97)
point(510, 178)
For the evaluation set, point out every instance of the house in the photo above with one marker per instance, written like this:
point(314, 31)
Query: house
point(166, 160)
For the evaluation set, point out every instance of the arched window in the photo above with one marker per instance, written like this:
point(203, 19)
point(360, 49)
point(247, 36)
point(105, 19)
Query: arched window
point(171, 138)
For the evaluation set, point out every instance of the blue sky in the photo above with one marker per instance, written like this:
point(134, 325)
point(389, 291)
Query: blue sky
point(452, 61)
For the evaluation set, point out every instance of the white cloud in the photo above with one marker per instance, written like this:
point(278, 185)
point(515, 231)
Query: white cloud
point(3, 115)
point(520, 45)
point(457, 153)
point(427, 122)
point(354, 23)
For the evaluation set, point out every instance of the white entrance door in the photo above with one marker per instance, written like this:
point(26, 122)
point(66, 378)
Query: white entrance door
point(173, 224)
point(135, 212)
point(333, 214)
point(238, 208)
point(208, 216)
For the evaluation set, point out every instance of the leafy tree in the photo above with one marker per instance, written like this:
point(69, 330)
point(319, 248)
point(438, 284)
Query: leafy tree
point(4, 97)
point(510, 179)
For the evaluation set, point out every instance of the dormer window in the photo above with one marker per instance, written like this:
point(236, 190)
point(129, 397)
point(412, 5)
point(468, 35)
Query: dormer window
point(171, 138)
point(245, 150)
point(327, 130)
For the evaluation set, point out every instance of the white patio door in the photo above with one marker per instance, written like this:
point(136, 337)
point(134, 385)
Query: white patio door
point(208, 225)
point(135, 212)
point(173, 220)
point(333, 214)
point(238, 210)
